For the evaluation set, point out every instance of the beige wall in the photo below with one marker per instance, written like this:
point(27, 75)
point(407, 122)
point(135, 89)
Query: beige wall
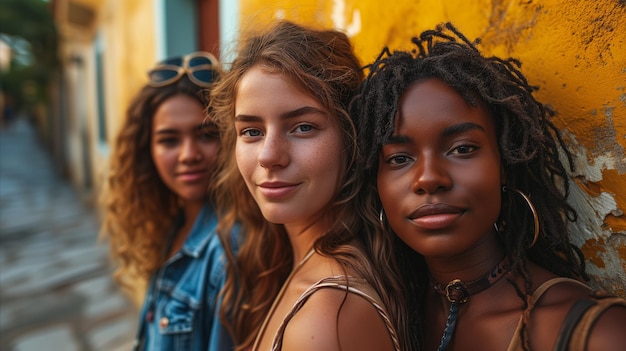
point(126, 29)
point(573, 50)
point(127, 33)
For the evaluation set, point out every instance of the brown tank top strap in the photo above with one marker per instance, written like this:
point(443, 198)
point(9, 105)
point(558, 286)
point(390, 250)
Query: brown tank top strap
point(550, 283)
point(580, 319)
point(516, 343)
point(350, 284)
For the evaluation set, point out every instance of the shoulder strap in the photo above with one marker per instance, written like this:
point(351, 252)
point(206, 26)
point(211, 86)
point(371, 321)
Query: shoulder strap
point(550, 283)
point(342, 283)
point(581, 318)
point(516, 343)
point(571, 320)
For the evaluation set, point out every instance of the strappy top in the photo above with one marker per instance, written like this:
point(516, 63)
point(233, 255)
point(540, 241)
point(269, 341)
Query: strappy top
point(516, 343)
point(350, 284)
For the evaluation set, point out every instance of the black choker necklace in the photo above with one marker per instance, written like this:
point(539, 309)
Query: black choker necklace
point(459, 292)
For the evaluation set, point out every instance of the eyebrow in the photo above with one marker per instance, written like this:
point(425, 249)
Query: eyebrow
point(286, 115)
point(447, 132)
point(166, 131)
point(198, 128)
point(460, 128)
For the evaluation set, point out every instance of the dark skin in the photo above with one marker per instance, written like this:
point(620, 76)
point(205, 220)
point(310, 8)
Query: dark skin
point(440, 180)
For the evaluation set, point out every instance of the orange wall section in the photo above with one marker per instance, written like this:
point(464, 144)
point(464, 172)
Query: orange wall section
point(575, 51)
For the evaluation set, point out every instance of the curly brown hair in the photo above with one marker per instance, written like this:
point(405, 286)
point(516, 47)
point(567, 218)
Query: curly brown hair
point(139, 210)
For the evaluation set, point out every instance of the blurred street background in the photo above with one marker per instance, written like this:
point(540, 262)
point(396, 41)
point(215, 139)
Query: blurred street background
point(56, 290)
point(69, 69)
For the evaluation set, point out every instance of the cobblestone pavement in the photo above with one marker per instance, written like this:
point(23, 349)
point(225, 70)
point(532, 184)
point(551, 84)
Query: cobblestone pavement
point(56, 291)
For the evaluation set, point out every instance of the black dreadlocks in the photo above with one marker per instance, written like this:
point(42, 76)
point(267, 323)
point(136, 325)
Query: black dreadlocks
point(528, 141)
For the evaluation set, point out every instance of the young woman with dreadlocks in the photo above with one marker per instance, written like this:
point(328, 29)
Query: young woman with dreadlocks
point(469, 178)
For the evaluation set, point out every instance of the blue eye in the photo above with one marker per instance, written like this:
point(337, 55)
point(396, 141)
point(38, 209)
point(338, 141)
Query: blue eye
point(304, 128)
point(251, 132)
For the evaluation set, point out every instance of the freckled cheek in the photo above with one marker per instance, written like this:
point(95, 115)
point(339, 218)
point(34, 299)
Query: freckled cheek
point(332, 151)
point(245, 160)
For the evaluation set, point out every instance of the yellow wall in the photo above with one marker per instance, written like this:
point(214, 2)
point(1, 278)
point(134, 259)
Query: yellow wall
point(130, 50)
point(575, 51)
point(127, 31)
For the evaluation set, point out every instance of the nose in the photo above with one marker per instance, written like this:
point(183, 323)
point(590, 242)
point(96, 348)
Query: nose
point(431, 176)
point(274, 151)
point(190, 152)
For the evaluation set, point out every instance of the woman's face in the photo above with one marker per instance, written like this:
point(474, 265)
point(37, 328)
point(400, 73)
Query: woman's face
point(288, 149)
point(184, 151)
point(439, 177)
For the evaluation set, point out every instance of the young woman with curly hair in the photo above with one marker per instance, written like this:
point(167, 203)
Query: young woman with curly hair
point(159, 216)
point(302, 279)
point(472, 179)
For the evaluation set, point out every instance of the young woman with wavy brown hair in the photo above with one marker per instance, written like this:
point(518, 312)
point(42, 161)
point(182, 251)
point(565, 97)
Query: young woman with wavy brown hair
point(303, 279)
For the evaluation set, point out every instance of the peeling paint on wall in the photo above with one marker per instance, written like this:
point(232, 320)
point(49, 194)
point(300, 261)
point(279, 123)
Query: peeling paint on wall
point(601, 244)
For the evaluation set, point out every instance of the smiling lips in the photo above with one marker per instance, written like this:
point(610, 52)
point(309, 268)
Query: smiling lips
point(276, 190)
point(192, 175)
point(435, 216)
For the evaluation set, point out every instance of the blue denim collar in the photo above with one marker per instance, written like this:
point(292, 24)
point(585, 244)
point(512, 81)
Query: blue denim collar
point(198, 238)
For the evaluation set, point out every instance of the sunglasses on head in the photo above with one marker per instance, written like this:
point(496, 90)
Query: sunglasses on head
point(199, 67)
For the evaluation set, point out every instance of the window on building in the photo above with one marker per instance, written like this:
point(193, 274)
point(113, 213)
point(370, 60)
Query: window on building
point(100, 92)
point(180, 20)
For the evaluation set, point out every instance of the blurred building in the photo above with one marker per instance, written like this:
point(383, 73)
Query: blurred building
point(106, 48)
point(573, 50)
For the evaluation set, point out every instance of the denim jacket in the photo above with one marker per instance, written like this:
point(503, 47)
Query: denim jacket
point(181, 311)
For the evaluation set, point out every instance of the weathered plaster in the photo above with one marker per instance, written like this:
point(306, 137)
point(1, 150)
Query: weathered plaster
point(602, 246)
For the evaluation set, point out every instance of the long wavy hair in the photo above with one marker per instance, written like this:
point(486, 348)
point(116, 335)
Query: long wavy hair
point(323, 64)
point(530, 148)
point(139, 210)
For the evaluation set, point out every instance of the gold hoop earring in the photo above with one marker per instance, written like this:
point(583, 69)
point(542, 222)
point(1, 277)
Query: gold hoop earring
point(534, 212)
point(381, 217)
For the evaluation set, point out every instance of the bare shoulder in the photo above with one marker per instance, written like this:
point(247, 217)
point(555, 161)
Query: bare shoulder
point(547, 318)
point(563, 295)
point(333, 319)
